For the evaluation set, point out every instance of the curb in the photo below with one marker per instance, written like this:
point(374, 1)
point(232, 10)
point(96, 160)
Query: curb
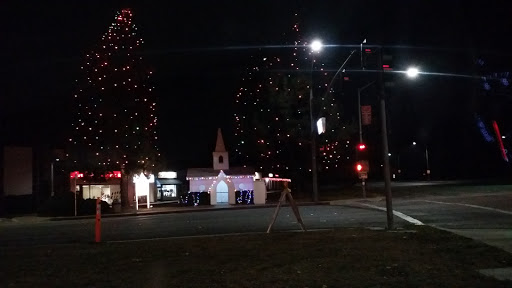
point(189, 210)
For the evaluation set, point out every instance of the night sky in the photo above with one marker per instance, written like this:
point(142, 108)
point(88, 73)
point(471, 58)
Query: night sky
point(200, 48)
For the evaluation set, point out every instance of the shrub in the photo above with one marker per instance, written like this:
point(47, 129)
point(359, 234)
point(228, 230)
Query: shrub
point(88, 207)
point(63, 204)
point(18, 204)
point(204, 198)
point(187, 200)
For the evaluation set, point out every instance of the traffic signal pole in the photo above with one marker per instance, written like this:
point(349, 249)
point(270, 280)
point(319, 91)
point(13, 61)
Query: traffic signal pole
point(385, 148)
point(363, 184)
point(359, 90)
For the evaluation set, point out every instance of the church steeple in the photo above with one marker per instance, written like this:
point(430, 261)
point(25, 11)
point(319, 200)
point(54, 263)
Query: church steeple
point(219, 146)
point(220, 155)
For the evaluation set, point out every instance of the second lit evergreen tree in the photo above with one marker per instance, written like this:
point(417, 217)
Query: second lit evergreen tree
point(272, 121)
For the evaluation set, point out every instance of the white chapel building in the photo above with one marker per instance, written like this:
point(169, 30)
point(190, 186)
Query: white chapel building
point(222, 181)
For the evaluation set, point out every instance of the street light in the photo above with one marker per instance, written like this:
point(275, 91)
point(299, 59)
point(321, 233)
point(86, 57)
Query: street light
point(316, 46)
point(412, 72)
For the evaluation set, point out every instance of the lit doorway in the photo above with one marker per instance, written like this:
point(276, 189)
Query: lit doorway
point(222, 192)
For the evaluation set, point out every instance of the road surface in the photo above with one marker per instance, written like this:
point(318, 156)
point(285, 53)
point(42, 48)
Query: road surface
point(187, 224)
point(486, 217)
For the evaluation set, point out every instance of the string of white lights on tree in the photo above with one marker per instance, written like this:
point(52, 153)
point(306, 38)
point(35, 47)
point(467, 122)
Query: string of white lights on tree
point(115, 117)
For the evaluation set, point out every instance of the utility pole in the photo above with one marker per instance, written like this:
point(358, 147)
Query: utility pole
point(385, 149)
point(74, 190)
point(428, 166)
point(314, 169)
point(359, 114)
point(2, 197)
point(359, 90)
point(51, 179)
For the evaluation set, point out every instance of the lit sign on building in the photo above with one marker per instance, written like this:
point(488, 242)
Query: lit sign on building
point(77, 174)
point(142, 187)
point(167, 175)
point(114, 174)
point(320, 125)
point(108, 175)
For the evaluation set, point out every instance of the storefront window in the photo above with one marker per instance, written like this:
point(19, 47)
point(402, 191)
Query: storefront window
point(103, 191)
point(167, 192)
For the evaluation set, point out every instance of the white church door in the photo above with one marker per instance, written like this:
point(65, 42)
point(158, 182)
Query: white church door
point(222, 192)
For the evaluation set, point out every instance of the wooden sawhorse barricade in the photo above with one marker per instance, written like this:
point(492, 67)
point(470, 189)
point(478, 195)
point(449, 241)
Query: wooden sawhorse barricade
point(287, 194)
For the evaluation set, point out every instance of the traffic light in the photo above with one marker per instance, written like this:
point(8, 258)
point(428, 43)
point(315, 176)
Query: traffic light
point(362, 168)
point(361, 152)
point(369, 58)
point(387, 62)
point(387, 66)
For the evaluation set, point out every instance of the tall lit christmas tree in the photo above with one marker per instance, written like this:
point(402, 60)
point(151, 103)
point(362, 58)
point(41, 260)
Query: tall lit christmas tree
point(272, 112)
point(115, 112)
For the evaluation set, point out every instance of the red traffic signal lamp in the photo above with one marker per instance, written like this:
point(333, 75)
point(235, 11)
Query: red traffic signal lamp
point(362, 166)
point(361, 147)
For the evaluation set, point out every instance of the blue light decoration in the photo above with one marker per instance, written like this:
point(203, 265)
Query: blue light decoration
point(483, 129)
point(496, 93)
point(502, 77)
point(245, 197)
point(195, 199)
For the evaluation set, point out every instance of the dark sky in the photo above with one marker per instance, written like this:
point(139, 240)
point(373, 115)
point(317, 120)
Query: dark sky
point(196, 75)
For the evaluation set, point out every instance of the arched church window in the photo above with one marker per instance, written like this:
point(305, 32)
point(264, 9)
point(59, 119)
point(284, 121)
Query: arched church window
point(221, 159)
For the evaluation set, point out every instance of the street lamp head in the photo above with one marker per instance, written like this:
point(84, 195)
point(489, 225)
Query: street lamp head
point(316, 46)
point(412, 72)
point(413, 143)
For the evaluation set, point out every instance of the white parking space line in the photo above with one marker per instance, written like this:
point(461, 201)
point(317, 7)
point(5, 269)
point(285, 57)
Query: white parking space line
point(396, 213)
point(470, 205)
